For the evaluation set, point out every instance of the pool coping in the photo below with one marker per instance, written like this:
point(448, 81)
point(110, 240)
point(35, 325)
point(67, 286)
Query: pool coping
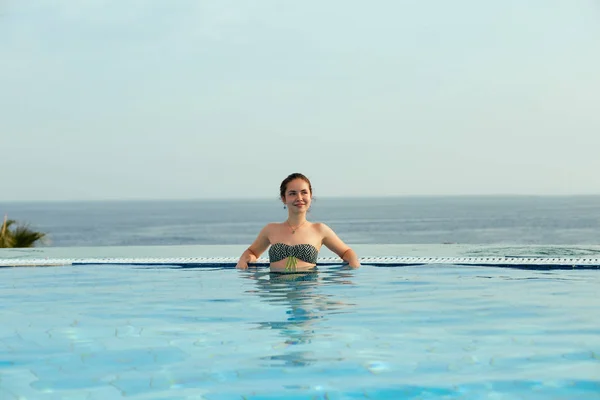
point(506, 255)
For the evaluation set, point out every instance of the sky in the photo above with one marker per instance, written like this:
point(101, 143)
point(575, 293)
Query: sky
point(187, 99)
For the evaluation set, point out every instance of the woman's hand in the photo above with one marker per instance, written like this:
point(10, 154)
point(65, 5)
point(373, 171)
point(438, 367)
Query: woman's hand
point(248, 256)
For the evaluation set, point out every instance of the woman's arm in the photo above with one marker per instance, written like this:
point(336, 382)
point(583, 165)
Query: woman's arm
point(335, 244)
point(351, 258)
point(252, 253)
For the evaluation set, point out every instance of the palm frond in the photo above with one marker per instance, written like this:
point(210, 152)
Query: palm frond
point(20, 236)
point(25, 237)
point(6, 239)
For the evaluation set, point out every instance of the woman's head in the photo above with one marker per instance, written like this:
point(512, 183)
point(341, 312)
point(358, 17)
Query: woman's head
point(291, 177)
point(296, 186)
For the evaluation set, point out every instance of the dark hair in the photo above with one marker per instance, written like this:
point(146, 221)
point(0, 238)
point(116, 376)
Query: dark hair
point(291, 177)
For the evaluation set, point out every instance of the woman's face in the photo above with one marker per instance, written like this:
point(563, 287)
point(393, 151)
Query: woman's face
point(297, 195)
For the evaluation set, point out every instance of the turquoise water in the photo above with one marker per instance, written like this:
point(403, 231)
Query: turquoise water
point(427, 332)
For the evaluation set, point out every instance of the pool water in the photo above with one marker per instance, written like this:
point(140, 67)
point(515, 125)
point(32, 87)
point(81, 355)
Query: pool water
point(423, 332)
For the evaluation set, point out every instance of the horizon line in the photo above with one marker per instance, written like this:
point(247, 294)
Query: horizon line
point(263, 198)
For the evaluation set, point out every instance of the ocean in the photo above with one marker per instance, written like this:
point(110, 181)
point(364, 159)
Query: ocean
point(524, 220)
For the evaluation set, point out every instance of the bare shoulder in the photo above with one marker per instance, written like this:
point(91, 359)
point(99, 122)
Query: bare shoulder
point(322, 228)
point(270, 227)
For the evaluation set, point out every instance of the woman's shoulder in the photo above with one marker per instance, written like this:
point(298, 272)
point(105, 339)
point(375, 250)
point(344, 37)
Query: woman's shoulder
point(269, 230)
point(321, 226)
point(272, 225)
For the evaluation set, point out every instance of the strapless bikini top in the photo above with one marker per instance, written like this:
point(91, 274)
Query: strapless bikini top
point(305, 252)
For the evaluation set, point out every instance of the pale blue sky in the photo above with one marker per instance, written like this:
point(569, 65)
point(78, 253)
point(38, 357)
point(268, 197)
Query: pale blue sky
point(165, 99)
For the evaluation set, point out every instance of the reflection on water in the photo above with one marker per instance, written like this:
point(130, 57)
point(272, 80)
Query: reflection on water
point(308, 307)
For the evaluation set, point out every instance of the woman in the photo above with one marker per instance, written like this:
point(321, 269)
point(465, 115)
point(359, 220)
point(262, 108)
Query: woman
point(295, 243)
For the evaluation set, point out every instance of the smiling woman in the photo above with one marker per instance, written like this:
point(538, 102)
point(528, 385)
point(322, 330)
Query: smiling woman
point(295, 243)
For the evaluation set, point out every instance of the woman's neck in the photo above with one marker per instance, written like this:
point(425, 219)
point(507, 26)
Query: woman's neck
point(296, 219)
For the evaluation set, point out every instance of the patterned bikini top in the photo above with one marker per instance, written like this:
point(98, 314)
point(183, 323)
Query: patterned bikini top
point(305, 252)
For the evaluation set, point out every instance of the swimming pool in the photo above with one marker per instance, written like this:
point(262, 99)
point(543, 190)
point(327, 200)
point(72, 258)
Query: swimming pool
point(422, 332)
